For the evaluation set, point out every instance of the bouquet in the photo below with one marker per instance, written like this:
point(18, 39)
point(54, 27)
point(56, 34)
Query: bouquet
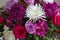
point(30, 20)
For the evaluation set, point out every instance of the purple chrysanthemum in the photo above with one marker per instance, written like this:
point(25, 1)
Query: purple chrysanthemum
point(9, 4)
point(16, 13)
point(50, 9)
point(38, 28)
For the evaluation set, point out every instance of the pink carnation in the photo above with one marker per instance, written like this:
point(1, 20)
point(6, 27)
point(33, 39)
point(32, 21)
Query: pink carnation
point(41, 28)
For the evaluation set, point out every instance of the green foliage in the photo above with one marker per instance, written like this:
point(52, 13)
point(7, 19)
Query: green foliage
point(28, 37)
point(36, 37)
point(24, 21)
point(1, 27)
point(4, 14)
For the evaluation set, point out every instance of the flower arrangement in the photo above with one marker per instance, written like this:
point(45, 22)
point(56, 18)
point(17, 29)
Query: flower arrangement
point(30, 20)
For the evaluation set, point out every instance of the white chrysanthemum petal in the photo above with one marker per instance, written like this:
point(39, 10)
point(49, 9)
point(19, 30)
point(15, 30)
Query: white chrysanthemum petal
point(35, 12)
point(48, 1)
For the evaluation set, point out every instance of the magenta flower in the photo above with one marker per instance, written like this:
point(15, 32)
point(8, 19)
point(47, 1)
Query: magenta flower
point(9, 4)
point(30, 27)
point(29, 2)
point(41, 28)
point(50, 9)
point(16, 13)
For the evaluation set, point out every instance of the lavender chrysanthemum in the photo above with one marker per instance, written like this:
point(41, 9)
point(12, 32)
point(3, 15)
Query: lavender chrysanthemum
point(30, 27)
point(16, 13)
point(50, 9)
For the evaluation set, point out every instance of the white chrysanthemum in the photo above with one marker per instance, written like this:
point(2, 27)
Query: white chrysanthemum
point(8, 35)
point(48, 1)
point(35, 12)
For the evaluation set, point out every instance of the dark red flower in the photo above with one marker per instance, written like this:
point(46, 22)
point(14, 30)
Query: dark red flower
point(19, 31)
point(1, 19)
point(58, 31)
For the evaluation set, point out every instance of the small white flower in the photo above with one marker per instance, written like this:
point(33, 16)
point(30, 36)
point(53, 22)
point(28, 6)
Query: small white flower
point(1, 38)
point(48, 1)
point(8, 35)
point(35, 12)
point(6, 28)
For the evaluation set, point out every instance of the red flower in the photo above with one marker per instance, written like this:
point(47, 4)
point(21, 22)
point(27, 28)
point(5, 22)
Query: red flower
point(56, 18)
point(19, 31)
point(58, 31)
point(1, 19)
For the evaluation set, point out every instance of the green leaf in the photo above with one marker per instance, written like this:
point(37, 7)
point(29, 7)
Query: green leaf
point(53, 26)
point(28, 37)
point(47, 38)
point(4, 14)
point(36, 37)
point(24, 21)
point(1, 27)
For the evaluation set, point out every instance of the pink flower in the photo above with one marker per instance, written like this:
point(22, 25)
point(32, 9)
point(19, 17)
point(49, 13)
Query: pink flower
point(1, 19)
point(19, 31)
point(56, 18)
point(29, 2)
point(41, 28)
